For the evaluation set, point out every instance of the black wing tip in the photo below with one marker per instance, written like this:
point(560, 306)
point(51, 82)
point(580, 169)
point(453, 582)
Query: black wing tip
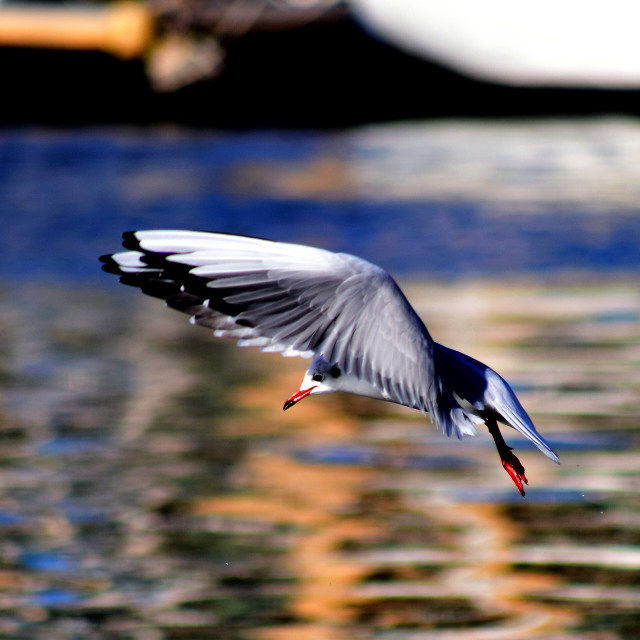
point(110, 265)
point(130, 240)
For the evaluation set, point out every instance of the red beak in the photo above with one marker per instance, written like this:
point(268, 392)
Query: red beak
point(296, 397)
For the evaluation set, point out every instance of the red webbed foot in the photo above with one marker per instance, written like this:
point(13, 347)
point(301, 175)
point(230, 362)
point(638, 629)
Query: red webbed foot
point(514, 468)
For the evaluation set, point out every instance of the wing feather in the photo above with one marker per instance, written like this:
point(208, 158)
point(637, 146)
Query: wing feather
point(289, 298)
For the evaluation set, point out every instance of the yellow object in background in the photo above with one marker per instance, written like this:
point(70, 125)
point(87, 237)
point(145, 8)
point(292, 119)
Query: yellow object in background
point(123, 29)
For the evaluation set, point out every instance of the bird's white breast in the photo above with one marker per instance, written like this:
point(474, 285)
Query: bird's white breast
point(352, 384)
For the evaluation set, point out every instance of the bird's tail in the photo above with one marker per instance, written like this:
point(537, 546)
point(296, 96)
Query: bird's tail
point(469, 392)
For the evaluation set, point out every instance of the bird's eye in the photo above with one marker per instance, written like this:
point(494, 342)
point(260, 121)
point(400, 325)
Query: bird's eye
point(318, 377)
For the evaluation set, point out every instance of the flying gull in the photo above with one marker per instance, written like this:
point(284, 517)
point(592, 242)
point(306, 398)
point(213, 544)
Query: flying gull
point(347, 314)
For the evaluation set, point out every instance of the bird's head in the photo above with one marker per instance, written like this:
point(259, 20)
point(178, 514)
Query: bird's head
point(321, 377)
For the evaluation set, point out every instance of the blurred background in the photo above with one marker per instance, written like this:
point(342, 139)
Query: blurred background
point(486, 154)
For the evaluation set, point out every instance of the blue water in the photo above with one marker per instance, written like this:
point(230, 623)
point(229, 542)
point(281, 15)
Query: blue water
point(65, 198)
point(105, 531)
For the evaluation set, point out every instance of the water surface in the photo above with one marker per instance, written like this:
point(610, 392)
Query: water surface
point(153, 488)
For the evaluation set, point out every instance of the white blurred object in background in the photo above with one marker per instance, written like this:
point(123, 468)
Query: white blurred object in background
point(546, 43)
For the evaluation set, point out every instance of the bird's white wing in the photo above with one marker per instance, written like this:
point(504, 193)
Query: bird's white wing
point(290, 298)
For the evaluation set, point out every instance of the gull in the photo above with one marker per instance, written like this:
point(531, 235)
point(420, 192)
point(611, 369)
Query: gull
point(348, 314)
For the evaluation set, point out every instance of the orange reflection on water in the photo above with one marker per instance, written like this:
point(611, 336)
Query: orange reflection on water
point(153, 487)
point(335, 588)
point(317, 500)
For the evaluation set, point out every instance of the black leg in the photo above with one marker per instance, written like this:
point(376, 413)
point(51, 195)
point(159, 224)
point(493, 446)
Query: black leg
point(510, 462)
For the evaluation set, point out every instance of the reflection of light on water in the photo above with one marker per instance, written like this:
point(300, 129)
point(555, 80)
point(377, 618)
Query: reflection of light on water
point(471, 559)
point(155, 484)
